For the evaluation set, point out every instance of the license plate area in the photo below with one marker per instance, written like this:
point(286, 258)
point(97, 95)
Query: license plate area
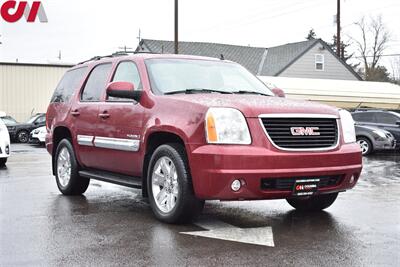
point(305, 187)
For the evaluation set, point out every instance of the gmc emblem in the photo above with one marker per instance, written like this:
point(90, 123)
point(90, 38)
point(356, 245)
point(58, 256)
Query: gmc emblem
point(304, 131)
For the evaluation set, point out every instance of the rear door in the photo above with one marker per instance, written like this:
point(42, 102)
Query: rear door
point(119, 128)
point(84, 113)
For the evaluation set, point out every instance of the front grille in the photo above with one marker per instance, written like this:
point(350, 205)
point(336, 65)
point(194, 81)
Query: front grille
point(280, 131)
point(287, 184)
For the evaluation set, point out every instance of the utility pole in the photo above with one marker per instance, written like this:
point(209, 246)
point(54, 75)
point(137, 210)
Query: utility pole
point(338, 43)
point(176, 27)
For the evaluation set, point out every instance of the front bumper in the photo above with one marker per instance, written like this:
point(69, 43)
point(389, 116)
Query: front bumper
point(215, 167)
point(386, 144)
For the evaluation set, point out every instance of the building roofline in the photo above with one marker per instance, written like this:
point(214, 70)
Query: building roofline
point(297, 57)
point(36, 64)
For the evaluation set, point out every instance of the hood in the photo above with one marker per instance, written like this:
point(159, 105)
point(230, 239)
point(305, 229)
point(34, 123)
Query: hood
point(254, 105)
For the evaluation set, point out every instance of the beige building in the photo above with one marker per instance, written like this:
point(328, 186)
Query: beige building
point(26, 89)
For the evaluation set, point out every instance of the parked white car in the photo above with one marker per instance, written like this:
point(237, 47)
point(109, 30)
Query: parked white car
point(38, 136)
point(4, 144)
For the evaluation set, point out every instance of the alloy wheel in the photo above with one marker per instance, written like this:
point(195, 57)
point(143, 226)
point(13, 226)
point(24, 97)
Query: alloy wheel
point(165, 186)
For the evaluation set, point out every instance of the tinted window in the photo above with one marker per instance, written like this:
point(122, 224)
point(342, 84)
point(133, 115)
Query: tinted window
point(8, 121)
point(386, 118)
point(68, 84)
point(363, 117)
point(96, 83)
point(41, 119)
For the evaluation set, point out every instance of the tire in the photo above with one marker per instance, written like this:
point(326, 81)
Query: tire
point(365, 145)
point(3, 162)
point(314, 203)
point(171, 194)
point(67, 170)
point(23, 136)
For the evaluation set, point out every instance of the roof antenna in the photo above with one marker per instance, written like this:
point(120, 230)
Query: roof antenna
point(222, 57)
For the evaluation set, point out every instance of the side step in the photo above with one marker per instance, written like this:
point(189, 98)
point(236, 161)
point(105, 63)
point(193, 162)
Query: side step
point(119, 179)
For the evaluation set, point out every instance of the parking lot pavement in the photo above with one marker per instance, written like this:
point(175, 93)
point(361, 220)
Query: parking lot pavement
point(112, 225)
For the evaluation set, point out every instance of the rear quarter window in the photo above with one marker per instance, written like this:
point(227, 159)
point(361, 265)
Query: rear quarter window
point(68, 85)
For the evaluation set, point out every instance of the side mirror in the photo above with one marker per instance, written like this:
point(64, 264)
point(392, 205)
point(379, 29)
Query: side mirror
point(123, 90)
point(279, 92)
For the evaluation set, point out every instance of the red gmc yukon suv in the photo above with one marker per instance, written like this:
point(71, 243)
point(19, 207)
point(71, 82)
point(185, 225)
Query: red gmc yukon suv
point(187, 129)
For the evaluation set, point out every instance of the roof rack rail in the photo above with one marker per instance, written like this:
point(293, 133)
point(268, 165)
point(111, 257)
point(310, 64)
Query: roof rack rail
point(116, 54)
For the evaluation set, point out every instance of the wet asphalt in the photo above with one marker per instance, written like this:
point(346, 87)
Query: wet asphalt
point(114, 226)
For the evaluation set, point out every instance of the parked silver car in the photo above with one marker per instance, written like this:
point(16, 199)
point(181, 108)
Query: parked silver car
point(372, 139)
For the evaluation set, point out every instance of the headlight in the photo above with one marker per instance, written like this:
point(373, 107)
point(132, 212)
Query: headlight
point(380, 133)
point(43, 131)
point(226, 126)
point(349, 133)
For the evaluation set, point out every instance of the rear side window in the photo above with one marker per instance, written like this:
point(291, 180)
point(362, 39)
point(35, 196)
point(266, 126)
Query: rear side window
point(364, 117)
point(68, 85)
point(96, 83)
point(386, 118)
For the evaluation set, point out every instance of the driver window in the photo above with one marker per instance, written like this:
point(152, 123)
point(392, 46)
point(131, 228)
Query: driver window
point(126, 72)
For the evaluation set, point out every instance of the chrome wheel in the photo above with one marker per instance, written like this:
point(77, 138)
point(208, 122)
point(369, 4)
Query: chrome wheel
point(164, 182)
point(64, 167)
point(364, 146)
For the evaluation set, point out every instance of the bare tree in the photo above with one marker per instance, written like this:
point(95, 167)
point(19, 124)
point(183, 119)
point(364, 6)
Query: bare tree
point(373, 42)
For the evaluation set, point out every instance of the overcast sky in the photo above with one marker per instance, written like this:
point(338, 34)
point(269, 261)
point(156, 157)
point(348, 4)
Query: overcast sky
point(82, 29)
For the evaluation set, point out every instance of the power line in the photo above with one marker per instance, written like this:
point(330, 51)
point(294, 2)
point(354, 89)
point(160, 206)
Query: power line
point(388, 55)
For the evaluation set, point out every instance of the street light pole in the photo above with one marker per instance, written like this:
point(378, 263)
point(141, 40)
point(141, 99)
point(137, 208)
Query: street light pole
point(176, 27)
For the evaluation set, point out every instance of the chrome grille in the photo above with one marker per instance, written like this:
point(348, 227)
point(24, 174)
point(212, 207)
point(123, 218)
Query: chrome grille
point(302, 133)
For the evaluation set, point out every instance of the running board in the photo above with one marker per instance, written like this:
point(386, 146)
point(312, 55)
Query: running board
point(119, 179)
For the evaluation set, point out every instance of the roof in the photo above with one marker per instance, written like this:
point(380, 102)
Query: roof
point(261, 61)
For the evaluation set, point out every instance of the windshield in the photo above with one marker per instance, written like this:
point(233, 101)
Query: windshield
point(180, 75)
point(32, 119)
point(9, 121)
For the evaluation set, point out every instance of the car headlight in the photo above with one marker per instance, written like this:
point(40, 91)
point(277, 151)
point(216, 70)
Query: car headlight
point(379, 133)
point(43, 131)
point(349, 133)
point(226, 126)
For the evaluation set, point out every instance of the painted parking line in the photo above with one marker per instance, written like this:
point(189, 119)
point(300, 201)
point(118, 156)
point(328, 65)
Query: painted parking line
point(215, 229)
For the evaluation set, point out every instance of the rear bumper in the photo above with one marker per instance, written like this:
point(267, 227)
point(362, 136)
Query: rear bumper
point(214, 168)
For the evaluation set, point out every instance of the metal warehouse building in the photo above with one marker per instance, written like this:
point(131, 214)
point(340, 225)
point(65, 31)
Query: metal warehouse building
point(26, 89)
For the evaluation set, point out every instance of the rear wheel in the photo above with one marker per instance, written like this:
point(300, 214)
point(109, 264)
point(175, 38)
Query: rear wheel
point(314, 203)
point(365, 145)
point(170, 187)
point(3, 162)
point(67, 176)
point(23, 136)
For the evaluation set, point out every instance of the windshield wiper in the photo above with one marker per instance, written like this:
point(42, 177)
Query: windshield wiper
point(197, 90)
point(244, 92)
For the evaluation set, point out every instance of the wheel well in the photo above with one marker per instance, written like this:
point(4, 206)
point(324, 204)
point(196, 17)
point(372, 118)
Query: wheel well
point(59, 134)
point(153, 141)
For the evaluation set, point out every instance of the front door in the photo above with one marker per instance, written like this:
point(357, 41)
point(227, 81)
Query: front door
point(118, 133)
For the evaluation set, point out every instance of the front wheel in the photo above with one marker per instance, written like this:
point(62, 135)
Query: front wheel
point(67, 176)
point(314, 203)
point(365, 145)
point(170, 187)
point(23, 137)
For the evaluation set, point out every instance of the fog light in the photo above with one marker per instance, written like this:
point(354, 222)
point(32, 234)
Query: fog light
point(351, 179)
point(7, 150)
point(236, 185)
